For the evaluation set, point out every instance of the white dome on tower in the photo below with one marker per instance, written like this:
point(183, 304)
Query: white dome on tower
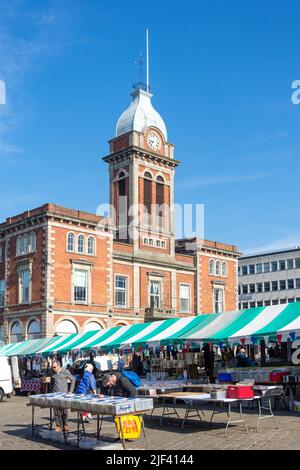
point(140, 115)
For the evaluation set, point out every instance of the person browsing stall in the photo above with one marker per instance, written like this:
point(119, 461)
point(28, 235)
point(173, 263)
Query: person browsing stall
point(117, 384)
point(87, 383)
point(59, 383)
point(86, 386)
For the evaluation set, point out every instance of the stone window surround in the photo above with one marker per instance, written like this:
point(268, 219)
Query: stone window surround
point(82, 265)
point(23, 266)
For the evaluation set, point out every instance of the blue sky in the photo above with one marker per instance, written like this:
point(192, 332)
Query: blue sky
point(221, 74)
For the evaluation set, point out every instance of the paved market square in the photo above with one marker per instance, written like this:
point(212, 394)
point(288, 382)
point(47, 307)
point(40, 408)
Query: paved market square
point(15, 431)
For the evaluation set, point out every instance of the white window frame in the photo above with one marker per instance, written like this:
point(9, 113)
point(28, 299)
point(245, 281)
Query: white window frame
point(159, 281)
point(211, 272)
point(221, 288)
point(25, 243)
point(181, 310)
point(218, 263)
point(28, 334)
point(87, 270)
point(32, 246)
point(126, 277)
point(20, 334)
point(91, 237)
point(163, 244)
point(84, 243)
point(21, 269)
point(224, 263)
point(74, 242)
point(19, 249)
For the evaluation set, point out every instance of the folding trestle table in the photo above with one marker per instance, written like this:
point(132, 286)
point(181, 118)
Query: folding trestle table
point(193, 404)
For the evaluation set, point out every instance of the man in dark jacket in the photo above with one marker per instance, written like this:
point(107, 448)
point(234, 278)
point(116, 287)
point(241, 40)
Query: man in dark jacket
point(117, 385)
point(59, 383)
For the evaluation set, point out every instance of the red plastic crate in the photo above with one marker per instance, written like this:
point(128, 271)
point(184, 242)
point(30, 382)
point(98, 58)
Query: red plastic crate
point(240, 391)
point(277, 376)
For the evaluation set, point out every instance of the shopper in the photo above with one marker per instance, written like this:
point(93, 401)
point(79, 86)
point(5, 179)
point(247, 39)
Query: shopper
point(136, 364)
point(209, 361)
point(117, 385)
point(86, 386)
point(59, 383)
point(243, 360)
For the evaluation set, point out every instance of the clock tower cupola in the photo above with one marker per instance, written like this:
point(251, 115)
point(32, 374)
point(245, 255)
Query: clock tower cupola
point(141, 166)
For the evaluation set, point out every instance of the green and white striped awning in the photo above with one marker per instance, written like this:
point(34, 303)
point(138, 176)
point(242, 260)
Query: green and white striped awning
point(229, 327)
point(24, 348)
point(160, 332)
point(88, 340)
point(255, 322)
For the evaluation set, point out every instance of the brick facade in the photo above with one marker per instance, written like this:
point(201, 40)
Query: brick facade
point(100, 277)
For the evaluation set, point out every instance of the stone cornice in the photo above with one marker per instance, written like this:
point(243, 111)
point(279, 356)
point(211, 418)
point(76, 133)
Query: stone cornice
point(136, 151)
point(166, 263)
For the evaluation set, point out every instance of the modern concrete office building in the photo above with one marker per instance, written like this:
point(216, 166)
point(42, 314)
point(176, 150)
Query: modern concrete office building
point(269, 278)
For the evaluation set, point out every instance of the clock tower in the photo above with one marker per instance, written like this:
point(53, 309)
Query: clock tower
point(141, 168)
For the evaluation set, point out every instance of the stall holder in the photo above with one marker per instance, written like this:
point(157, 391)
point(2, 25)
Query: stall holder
point(194, 401)
point(115, 407)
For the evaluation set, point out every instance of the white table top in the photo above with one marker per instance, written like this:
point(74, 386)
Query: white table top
point(206, 397)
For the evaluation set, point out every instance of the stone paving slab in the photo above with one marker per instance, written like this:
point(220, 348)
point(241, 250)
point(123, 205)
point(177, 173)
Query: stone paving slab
point(15, 431)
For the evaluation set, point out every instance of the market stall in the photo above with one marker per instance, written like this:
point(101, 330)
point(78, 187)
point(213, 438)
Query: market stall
point(192, 349)
point(116, 407)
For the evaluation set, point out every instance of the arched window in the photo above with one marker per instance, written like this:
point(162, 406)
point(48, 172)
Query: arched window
point(218, 268)
point(25, 243)
point(34, 330)
point(148, 192)
point(16, 332)
point(91, 245)
point(122, 204)
point(224, 269)
point(32, 242)
point(71, 241)
point(66, 327)
point(80, 244)
point(160, 200)
point(19, 245)
point(211, 267)
point(92, 326)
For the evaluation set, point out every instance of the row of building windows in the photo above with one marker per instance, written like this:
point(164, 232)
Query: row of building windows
point(269, 286)
point(267, 303)
point(147, 174)
point(272, 266)
point(216, 268)
point(81, 244)
point(81, 280)
point(155, 294)
point(157, 243)
point(26, 244)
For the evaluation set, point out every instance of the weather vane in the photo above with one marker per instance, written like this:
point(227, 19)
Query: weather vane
point(140, 62)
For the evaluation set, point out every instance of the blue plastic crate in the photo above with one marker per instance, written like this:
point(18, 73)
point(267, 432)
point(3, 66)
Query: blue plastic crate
point(225, 377)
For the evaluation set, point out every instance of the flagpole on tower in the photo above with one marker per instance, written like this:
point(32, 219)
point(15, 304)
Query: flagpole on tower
point(147, 59)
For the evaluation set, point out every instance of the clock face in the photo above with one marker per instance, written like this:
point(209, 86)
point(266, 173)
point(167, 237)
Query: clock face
point(153, 141)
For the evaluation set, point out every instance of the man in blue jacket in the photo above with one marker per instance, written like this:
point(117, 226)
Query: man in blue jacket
point(86, 386)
